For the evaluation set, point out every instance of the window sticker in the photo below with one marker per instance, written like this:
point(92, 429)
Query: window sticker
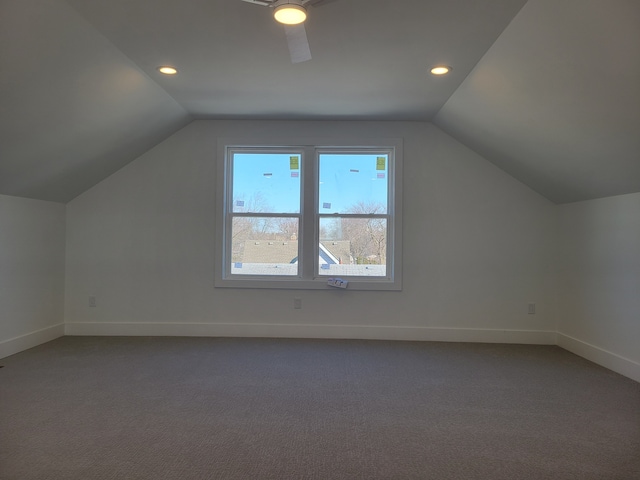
point(295, 174)
point(381, 163)
point(326, 205)
point(238, 264)
point(380, 175)
point(240, 203)
point(294, 163)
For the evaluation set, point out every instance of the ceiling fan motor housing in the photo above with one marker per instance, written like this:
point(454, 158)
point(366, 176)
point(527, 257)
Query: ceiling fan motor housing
point(290, 12)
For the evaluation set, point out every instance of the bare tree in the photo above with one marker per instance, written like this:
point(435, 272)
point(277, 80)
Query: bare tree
point(330, 229)
point(246, 228)
point(251, 227)
point(377, 232)
point(287, 228)
point(368, 236)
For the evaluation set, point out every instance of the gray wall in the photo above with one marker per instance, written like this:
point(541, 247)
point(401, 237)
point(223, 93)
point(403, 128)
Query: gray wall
point(32, 252)
point(600, 277)
point(478, 247)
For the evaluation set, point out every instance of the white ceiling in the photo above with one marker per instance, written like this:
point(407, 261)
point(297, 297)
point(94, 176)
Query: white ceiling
point(81, 96)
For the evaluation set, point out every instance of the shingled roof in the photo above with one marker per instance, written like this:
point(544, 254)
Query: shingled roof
point(272, 251)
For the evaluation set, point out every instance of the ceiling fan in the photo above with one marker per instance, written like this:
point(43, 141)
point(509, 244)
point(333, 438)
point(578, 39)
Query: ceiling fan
point(292, 14)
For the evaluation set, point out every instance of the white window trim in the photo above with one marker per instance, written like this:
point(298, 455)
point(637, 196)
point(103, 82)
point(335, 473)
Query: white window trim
point(306, 278)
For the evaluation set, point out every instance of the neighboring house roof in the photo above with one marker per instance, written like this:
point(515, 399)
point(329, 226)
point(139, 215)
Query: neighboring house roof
point(273, 251)
point(339, 249)
point(270, 251)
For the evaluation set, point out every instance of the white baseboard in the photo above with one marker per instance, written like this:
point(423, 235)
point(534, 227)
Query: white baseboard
point(361, 332)
point(610, 360)
point(30, 340)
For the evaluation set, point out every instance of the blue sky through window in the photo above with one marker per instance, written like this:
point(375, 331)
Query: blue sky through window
point(346, 180)
point(270, 182)
point(266, 182)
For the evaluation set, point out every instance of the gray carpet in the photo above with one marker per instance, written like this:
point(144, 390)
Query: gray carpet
point(205, 408)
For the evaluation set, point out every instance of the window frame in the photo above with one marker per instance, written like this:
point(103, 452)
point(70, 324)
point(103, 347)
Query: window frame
point(309, 149)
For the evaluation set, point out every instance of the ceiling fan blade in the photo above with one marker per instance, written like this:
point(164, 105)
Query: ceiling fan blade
point(315, 3)
point(298, 43)
point(258, 2)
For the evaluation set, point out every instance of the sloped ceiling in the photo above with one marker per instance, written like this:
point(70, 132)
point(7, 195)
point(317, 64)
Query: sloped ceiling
point(74, 109)
point(81, 97)
point(555, 102)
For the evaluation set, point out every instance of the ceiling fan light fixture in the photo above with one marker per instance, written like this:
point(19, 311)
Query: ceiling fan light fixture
point(290, 14)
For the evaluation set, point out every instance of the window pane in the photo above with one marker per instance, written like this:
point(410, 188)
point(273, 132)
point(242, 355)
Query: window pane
point(266, 182)
point(353, 183)
point(353, 246)
point(264, 246)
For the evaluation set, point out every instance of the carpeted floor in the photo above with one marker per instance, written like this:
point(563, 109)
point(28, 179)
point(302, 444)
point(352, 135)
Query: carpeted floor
point(206, 408)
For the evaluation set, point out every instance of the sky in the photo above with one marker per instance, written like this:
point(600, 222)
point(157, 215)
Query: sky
point(344, 181)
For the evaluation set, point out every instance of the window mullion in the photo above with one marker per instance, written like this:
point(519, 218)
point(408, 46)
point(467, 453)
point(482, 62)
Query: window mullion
point(354, 215)
point(265, 214)
point(309, 241)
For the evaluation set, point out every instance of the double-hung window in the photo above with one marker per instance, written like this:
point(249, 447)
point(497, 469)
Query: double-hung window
point(293, 215)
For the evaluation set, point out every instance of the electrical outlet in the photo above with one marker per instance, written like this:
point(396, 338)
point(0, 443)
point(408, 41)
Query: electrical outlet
point(297, 303)
point(531, 309)
point(92, 301)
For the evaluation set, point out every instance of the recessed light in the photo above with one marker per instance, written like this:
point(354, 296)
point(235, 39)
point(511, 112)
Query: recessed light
point(167, 70)
point(440, 70)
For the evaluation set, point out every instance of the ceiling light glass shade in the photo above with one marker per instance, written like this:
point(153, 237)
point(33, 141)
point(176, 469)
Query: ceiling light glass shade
point(440, 70)
point(290, 14)
point(167, 70)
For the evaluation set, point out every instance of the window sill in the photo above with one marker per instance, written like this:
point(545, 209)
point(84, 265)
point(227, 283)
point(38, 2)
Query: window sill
point(317, 284)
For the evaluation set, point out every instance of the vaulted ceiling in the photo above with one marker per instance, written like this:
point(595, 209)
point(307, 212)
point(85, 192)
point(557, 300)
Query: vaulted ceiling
point(547, 90)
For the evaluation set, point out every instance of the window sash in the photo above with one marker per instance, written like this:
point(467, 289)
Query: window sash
point(388, 244)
